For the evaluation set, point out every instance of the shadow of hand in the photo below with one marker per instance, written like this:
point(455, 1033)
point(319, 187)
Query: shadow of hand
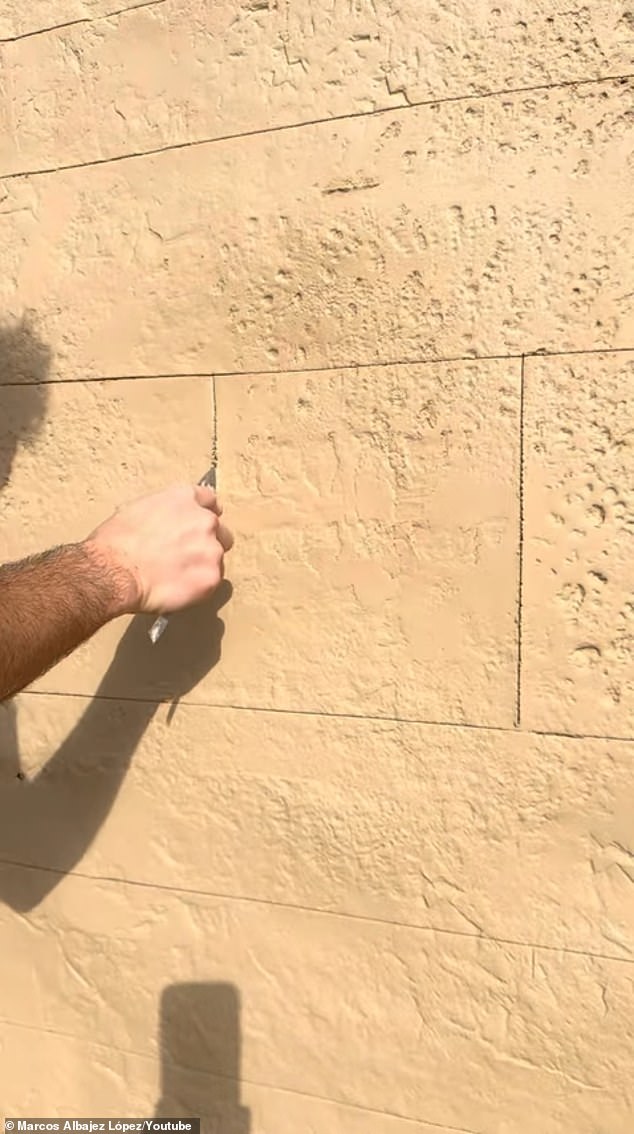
point(169, 670)
point(49, 822)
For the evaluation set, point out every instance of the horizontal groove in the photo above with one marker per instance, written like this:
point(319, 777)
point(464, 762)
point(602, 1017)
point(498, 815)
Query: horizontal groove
point(81, 20)
point(264, 131)
point(216, 1076)
point(329, 714)
point(44, 31)
point(381, 364)
point(255, 373)
point(512, 356)
point(313, 911)
point(620, 737)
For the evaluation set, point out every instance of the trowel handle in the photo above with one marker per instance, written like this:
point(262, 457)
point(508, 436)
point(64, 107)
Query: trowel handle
point(157, 628)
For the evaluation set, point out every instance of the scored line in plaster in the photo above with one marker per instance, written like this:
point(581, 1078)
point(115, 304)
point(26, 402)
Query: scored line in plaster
point(520, 550)
point(80, 20)
point(315, 911)
point(213, 462)
point(241, 1079)
point(381, 364)
point(285, 126)
point(621, 737)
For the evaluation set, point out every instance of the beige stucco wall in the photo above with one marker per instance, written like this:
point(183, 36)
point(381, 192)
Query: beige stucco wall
point(374, 873)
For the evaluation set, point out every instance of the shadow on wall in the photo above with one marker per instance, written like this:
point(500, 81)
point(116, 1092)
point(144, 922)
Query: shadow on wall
point(50, 821)
point(25, 362)
point(200, 1057)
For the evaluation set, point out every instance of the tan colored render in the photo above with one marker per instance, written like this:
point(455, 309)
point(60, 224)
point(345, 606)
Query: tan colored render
point(334, 1002)
point(18, 19)
point(579, 543)
point(88, 1077)
point(111, 436)
point(185, 70)
point(361, 817)
point(324, 861)
point(498, 226)
point(336, 481)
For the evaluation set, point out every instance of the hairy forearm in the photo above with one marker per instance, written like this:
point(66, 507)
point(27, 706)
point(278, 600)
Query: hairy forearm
point(49, 605)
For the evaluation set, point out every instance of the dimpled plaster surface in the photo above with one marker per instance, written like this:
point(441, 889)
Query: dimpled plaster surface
point(360, 817)
point(226, 887)
point(579, 584)
point(185, 70)
point(503, 226)
point(377, 522)
point(332, 1006)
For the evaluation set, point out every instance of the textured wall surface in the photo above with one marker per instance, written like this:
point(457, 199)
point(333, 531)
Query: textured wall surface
point(352, 850)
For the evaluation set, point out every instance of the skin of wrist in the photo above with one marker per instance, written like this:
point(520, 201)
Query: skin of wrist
point(121, 590)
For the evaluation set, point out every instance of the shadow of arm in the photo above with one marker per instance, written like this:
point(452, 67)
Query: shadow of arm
point(48, 823)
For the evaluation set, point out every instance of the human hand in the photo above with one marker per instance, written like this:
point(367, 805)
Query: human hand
point(165, 551)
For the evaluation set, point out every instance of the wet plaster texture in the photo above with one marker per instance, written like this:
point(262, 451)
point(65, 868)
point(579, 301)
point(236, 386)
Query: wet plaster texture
point(260, 65)
point(491, 227)
point(351, 850)
point(579, 541)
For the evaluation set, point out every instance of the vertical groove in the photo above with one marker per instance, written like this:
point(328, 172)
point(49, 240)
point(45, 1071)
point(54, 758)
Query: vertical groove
point(214, 428)
point(520, 567)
